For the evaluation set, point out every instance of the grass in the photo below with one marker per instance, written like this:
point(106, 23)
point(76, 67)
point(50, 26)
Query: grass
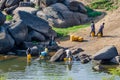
point(9, 17)
point(114, 72)
point(3, 77)
point(63, 32)
point(103, 4)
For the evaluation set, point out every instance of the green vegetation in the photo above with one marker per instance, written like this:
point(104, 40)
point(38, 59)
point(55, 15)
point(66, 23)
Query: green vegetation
point(103, 4)
point(92, 13)
point(9, 17)
point(114, 72)
point(63, 32)
point(3, 77)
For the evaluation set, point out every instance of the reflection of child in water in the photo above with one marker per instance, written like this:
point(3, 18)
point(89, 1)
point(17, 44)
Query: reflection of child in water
point(69, 67)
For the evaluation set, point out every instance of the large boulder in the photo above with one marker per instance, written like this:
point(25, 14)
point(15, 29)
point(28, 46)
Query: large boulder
point(6, 41)
point(2, 18)
point(34, 35)
point(18, 31)
point(10, 10)
point(2, 4)
point(46, 3)
point(26, 9)
point(107, 53)
point(77, 7)
point(58, 15)
point(10, 3)
point(57, 55)
point(34, 23)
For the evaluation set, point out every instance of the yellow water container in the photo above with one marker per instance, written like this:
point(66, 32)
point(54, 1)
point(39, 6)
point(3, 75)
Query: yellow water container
point(67, 59)
point(71, 37)
point(80, 39)
point(29, 57)
point(92, 34)
point(75, 38)
point(99, 35)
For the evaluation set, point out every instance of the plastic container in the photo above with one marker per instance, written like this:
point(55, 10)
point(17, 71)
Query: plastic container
point(44, 53)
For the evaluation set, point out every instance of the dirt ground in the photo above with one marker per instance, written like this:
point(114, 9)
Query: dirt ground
point(111, 35)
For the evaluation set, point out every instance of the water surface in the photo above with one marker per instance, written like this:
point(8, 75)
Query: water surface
point(18, 69)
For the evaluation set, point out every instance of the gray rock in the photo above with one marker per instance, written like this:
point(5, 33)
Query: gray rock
point(77, 7)
point(6, 41)
point(11, 53)
point(108, 52)
point(27, 45)
point(10, 3)
point(21, 52)
point(57, 55)
point(67, 2)
point(76, 50)
point(10, 10)
point(58, 15)
point(26, 9)
point(19, 31)
point(98, 68)
point(2, 4)
point(26, 4)
point(84, 58)
point(116, 60)
point(34, 35)
point(34, 22)
point(2, 18)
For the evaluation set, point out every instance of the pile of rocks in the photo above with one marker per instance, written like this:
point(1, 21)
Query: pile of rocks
point(25, 27)
point(58, 13)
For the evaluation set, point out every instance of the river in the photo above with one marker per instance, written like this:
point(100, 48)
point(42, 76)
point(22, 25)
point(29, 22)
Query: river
point(19, 69)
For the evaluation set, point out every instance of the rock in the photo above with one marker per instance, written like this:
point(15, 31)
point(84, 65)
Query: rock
point(36, 36)
point(67, 2)
point(26, 9)
point(6, 41)
point(21, 52)
point(116, 60)
point(109, 52)
point(58, 15)
point(47, 2)
point(10, 10)
point(2, 18)
point(11, 53)
point(26, 4)
point(76, 50)
point(84, 58)
point(53, 48)
point(19, 31)
point(27, 45)
point(10, 3)
point(2, 4)
point(76, 6)
point(34, 22)
point(57, 55)
point(98, 68)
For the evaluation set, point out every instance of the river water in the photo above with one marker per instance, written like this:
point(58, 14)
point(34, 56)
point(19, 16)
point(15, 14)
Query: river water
point(19, 69)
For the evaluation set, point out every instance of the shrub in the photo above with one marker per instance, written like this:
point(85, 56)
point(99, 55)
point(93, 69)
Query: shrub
point(92, 13)
point(9, 17)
